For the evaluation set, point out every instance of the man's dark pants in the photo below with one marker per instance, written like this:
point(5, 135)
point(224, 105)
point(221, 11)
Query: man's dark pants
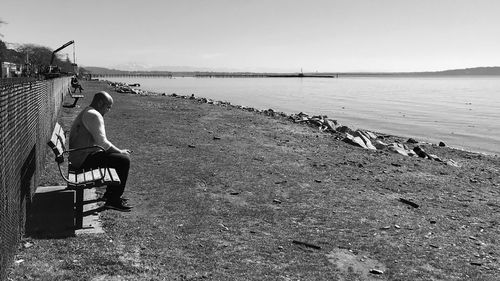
point(119, 161)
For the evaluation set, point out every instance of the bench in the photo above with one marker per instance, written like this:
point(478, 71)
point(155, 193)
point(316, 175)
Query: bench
point(79, 180)
point(75, 97)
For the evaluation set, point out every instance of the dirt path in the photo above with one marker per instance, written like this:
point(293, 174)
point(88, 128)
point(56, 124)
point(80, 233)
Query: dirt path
point(226, 194)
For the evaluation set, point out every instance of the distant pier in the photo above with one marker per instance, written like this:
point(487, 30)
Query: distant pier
point(215, 75)
point(134, 74)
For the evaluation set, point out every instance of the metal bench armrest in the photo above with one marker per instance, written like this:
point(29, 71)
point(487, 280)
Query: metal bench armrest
point(84, 148)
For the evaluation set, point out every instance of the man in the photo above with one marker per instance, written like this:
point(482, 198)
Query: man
point(88, 130)
point(75, 84)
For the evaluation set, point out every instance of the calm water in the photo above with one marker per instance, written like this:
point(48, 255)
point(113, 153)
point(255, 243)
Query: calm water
point(462, 112)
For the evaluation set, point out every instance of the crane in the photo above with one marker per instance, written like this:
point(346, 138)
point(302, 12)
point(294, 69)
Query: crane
point(53, 70)
point(58, 49)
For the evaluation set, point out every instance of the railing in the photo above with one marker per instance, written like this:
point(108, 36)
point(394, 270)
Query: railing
point(28, 112)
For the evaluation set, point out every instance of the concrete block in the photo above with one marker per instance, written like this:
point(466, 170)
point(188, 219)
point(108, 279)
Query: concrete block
point(51, 213)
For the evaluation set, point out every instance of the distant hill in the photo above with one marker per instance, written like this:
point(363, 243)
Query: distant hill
point(103, 70)
point(494, 70)
point(476, 71)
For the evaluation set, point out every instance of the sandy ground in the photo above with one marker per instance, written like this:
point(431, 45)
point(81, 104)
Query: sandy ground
point(221, 193)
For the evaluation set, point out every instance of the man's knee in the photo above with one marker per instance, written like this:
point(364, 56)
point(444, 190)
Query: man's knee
point(119, 160)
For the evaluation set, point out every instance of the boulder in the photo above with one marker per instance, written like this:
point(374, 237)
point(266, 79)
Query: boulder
point(371, 135)
point(356, 141)
point(398, 148)
point(365, 139)
point(380, 144)
point(344, 129)
point(420, 152)
point(453, 163)
point(410, 140)
point(331, 124)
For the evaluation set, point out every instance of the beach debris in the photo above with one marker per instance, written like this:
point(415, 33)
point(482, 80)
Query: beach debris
point(269, 112)
point(277, 201)
point(376, 271)
point(442, 144)
point(358, 139)
point(363, 138)
point(400, 149)
point(408, 202)
point(411, 140)
point(306, 244)
point(453, 163)
point(191, 146)
point(322, 122)
point(130, 89)
point(420, 152)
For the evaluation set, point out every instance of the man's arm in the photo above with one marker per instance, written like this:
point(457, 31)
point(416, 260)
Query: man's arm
point(94, 122)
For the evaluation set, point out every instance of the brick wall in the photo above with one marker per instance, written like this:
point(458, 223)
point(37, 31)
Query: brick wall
point(28, 112)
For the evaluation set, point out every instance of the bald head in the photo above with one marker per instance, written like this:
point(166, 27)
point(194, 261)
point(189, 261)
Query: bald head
point(102, 102)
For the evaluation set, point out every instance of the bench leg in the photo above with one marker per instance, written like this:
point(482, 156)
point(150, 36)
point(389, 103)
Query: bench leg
point(74, 102)
point(79, 209)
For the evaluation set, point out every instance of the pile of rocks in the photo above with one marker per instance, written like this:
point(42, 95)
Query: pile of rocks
point(366, 139)
point(124, 88)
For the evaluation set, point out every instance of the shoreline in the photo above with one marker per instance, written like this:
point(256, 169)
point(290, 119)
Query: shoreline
point(135, 89)
point(432, 126)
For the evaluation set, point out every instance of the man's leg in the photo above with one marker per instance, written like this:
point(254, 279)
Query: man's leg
point(120, 162)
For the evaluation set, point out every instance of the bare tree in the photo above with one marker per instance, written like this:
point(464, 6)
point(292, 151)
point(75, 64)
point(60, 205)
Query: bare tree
point(38, 56)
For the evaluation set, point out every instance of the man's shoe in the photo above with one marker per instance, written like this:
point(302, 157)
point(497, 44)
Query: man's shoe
point(117, 205)
point(105, 198)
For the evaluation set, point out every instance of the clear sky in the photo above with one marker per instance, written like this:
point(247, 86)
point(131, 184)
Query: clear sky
point(263, 35)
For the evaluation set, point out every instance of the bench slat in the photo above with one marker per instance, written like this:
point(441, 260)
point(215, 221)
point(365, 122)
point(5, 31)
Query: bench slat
point(57, 128)
point(53, 137)
point(72, 177)
point(89, 176)
point(57, 140)
point(59, 149)
point(105, 172)
point(53, 140)
point(97, 174)
point(62, 138)
point(114, 175)
point(80, 178)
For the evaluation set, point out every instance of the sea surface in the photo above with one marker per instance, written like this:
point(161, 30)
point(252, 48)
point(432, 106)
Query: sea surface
point(462, 112)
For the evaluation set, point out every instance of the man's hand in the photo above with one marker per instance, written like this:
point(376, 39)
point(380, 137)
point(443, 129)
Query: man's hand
point(126, 151)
